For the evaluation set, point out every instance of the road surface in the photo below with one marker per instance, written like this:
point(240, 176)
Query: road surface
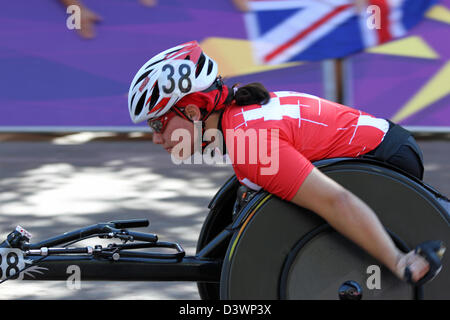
point(53, 184)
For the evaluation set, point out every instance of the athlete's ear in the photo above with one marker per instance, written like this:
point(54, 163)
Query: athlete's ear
point(193, 112)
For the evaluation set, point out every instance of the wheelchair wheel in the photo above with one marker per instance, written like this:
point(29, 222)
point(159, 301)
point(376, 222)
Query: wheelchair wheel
point(282, 251)
point(219, 217)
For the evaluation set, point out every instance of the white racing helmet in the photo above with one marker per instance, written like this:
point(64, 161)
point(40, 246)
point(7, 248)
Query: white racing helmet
point(167, 77)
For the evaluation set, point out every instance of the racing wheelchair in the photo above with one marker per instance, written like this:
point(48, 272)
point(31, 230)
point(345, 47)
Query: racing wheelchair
point(253, 245)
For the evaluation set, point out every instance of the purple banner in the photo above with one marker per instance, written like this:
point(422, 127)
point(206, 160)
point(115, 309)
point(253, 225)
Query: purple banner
point(54, 80)
point(408, 80)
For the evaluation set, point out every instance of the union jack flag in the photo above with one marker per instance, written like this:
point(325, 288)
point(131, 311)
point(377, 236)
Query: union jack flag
point(293, 30)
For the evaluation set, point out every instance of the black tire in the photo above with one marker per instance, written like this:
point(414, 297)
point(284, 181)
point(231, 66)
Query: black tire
point(258, 251)
point(218, 218)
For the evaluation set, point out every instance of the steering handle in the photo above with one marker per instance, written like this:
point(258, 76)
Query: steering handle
point(133, 223)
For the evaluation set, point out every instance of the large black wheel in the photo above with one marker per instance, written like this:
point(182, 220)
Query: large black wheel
point(282, 251)
point(219, 217)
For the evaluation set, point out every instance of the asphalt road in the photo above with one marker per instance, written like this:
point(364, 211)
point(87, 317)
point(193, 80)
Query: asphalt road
point(51, 185)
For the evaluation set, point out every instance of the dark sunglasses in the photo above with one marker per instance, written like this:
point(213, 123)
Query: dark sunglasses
point(158, 125)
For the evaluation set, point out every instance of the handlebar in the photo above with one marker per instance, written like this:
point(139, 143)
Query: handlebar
point(147, 237)
point(19, 239)
point(101, 228)
point(133, 223)
point(114, 229)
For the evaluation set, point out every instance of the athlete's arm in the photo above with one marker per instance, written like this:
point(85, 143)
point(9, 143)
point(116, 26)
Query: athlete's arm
point(347, 214)
point(298, 181)
point(87, 18)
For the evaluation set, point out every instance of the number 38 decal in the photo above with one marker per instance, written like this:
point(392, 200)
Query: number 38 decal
point(177, 75)
point(11, 262)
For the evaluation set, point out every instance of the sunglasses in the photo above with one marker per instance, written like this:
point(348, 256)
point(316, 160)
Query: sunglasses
point(158, 125)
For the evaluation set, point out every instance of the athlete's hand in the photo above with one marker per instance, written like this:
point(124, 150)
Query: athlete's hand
point(241, 5)
point(416, 264)
point(149, 3)
point(88, 20)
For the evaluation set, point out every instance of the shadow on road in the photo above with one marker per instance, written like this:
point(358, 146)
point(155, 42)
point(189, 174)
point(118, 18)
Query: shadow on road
point(53, 188)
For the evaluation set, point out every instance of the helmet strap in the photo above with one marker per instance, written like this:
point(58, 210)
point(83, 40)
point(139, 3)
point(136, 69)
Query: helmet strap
point(218, 84)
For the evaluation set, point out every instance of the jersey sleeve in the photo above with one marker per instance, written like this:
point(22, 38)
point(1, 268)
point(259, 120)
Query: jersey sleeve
point(280, 172)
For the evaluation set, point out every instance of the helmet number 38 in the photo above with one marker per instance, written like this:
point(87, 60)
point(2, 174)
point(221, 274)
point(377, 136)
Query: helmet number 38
point(184, 82)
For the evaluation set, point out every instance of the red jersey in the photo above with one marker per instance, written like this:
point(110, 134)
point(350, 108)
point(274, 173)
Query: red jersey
point(271, 146)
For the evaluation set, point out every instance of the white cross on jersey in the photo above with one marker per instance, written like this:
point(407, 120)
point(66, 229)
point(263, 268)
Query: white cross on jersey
point(274, 110)
point(364, 120)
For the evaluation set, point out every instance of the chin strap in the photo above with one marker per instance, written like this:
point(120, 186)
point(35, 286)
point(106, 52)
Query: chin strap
point(217, 85)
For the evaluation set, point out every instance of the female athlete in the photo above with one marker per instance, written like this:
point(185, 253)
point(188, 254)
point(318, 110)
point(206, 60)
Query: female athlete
point(181, 85)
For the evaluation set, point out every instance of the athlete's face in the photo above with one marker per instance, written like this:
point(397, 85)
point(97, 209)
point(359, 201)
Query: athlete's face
point(179, 130)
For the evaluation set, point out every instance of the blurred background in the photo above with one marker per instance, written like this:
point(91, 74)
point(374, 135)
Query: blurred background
point(56, 79)
point(70, 156)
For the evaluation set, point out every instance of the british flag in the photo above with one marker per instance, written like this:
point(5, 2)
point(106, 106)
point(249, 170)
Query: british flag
point(294, 30)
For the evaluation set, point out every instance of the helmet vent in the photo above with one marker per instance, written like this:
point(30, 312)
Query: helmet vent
point(154, 63)
point(210, 67)
point(142, 77)
point(140, 104)
point(155, 96)
point(132, 99)
point(169, 53)
point(200, 64)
